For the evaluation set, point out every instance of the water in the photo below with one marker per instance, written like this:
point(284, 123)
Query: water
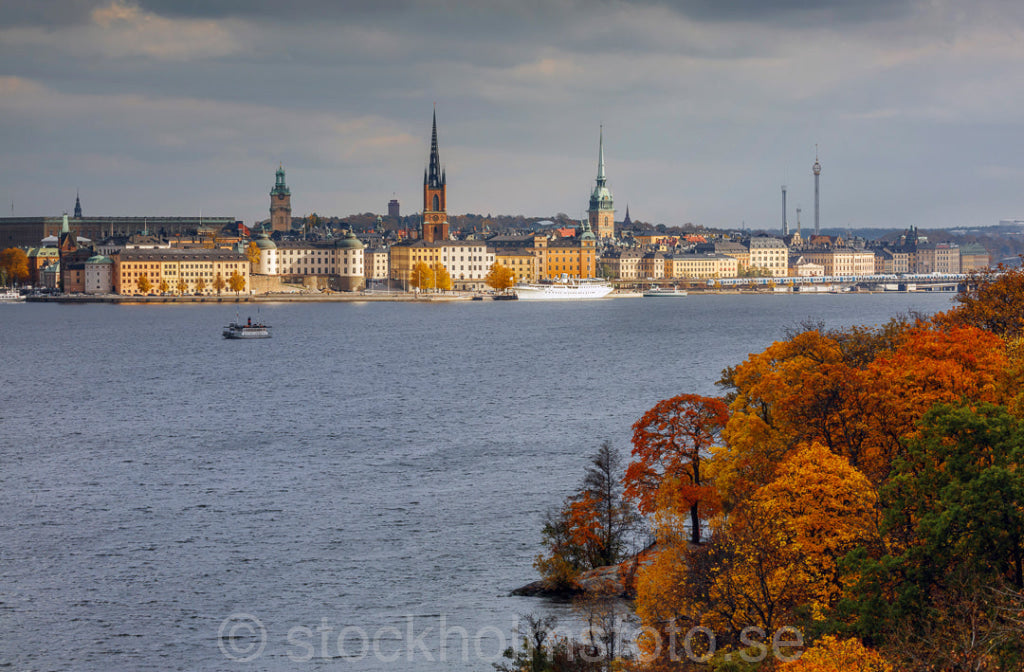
point(352, 491)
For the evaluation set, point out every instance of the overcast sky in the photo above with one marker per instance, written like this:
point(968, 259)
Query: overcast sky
point(176, 107)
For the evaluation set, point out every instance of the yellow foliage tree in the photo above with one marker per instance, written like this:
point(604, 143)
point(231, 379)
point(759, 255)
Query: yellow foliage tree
point(236, 283)
point(500, 277)
point(218, 283)
point(144, 284)
point(182, 286)
point(827, 508)
point(13, 265)
point(442, 279)
point(252, 253)
point(163, 287)
point(831, 654)
point(422, 276)
point(200, 285)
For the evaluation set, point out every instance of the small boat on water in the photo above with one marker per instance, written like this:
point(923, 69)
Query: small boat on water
point(564, 289)
point(656, 292)
point(10, 296)
point(247, 330)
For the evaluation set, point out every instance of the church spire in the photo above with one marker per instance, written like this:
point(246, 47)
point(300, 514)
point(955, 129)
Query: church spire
point(78, 206)
point(600, 158)
point(434, 177)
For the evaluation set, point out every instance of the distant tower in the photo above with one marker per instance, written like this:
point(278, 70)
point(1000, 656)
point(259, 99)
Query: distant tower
point(798, 220)
point(785, 224)
point(435, 191)
point(602, 214)
point(817, 208)
point(627, 222)
point(78, 207)
point(280, 204)
point(393, 209)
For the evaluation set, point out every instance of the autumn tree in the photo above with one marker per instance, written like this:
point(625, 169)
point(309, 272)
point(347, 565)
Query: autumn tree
point(670, 443)
point(442, 279)
point(144, 284)
point(218, 283)
point(13, 265)
point(252, 253)
point(200, 285)
point(182, 286)
point(993, 301)
point(163, 287)
point(592, 527)
point(422, 276)
point(236, 283)
point(831, 654)
point(500, 277)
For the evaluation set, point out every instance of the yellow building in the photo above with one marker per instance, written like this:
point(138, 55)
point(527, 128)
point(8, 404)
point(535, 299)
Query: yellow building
point(468, 261)
point(701, 266)
point(770, 254)
point(197, 268)
point(521, 261)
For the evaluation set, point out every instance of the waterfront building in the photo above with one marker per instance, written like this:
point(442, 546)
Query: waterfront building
point(842, 260)
point(375, 263)
point(652, 266)
point(701, 265)
point(174, 266)
point(338, 264)
point(738, 251)
point(99, 275)
point(892, 261)
point(658, 241)
point(467, 261)
point(575, 257)
point(800, 267)
point(38, 259)
point(974, 257)
point(937, 258)
point(770, 254)
point(601, 213)
point(280, 203)
point(521, 261)
point(622, 264)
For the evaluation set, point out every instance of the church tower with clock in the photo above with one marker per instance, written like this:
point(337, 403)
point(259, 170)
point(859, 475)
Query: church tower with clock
point(435, 215)
point(280, 204)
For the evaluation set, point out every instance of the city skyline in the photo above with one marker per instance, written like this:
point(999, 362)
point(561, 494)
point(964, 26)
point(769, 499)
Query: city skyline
point(169, 108)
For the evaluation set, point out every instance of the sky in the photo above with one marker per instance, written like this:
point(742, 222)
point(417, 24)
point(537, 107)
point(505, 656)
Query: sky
point(708, 107)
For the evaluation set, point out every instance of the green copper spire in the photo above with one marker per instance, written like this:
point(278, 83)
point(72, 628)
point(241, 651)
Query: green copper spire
point(600, 157)
point(601, 198)
point(64, 227)
point(279, 186)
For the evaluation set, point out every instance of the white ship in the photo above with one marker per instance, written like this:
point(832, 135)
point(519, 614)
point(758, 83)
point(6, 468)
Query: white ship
point(660, 292)
point(11, 295)
point(564, 289)
point(247, 330)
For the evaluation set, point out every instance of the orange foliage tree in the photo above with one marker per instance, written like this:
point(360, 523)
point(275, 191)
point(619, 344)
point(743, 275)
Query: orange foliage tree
point(993, 302)
point(670, 442)
point(830, 654)
point(13, 265)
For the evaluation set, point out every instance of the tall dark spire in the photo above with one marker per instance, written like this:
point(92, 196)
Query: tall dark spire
point(78, 207)
point(434, 178)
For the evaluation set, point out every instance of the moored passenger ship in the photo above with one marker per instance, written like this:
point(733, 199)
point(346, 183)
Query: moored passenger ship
point(564, 289)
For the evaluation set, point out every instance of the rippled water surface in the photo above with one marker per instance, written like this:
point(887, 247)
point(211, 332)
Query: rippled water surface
point(351, 491)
